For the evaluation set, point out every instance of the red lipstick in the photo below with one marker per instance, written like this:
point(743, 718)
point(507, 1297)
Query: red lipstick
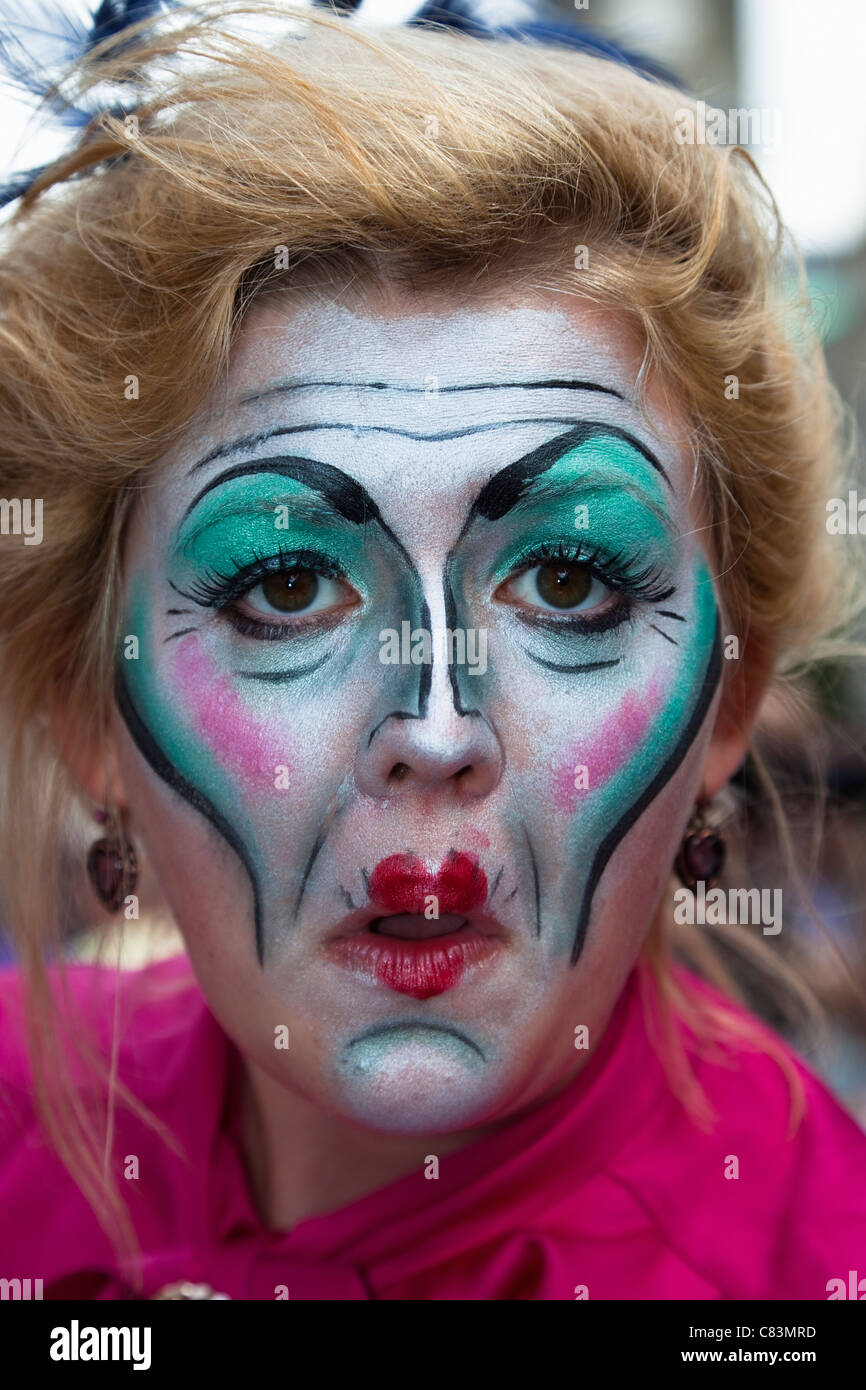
point(403, 949)
point(402, 883)
point(419, 968)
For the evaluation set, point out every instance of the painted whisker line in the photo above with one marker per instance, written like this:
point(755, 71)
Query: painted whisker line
point(190, 598)
point(511, 894)
point(181, 632)
point(176, 612)
point(277, 677)
point(672, 640)
point(347, 898)
point(496, 882)
point(535, 887)
point(366, 877)
point(308, 868)
point(572, 670)
point(334, 808)
point(668, 613)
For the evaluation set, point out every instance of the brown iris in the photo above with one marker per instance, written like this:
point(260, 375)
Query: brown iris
point(291, 590)
point(563, 584)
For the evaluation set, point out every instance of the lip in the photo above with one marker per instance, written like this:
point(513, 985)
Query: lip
point(418, 967)
point(404, 883)
point(396, 943)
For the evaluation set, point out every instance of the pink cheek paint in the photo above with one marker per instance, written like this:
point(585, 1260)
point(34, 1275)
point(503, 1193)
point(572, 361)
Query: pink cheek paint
point(238, 740)
point(612, 746)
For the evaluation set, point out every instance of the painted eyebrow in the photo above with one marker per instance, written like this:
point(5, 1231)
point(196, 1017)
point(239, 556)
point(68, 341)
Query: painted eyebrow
point(347, 497)
point(502, 492)
point(505, 489)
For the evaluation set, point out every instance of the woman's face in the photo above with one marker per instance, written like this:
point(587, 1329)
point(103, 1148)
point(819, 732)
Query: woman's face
point(426, 668)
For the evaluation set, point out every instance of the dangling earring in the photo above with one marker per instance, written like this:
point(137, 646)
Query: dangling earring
point(112, 866)
point(702, 852)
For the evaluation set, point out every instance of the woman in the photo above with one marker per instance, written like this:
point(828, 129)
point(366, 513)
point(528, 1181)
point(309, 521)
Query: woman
point(433, 490)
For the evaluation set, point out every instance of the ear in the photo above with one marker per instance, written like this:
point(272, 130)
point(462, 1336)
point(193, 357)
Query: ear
point(745, 685)
point(91, 762)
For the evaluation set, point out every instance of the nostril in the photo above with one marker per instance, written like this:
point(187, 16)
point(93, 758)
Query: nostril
point(398, 772)
point(463, 773)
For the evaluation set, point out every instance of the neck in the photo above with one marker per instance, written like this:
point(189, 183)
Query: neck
point(304, 1162)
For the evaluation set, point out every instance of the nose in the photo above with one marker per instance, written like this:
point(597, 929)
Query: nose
point(442, 749)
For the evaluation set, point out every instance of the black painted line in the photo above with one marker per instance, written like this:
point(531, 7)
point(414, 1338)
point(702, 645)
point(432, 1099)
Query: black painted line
point(252, 441)
point(572, 670)
point(666, 771)
point(545, 384)
point(278, 677)
point(165, 769)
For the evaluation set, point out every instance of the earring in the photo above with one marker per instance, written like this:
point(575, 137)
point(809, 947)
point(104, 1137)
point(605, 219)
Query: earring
point(112, 867)
point(702, 852)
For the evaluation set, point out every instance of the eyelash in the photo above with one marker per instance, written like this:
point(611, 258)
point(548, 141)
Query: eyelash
point(219, 590)
point(617, 572)
point(216, 589)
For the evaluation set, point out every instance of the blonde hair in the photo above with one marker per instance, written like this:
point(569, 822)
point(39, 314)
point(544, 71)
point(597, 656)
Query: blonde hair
point(413, 153)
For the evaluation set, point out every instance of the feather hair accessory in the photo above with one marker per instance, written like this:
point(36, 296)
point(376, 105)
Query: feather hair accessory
point(41, 43)
point(45, 39)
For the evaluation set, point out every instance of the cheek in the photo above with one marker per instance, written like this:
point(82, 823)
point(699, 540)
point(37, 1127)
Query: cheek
point(603, 751)
point(247, 745)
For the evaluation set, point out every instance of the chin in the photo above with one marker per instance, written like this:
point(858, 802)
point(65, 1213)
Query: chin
point(409, 1079)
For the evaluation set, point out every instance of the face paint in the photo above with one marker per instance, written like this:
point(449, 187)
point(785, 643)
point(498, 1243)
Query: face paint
point(421, 835)
point(217, 740)
point(228, 539)
point(627, 539)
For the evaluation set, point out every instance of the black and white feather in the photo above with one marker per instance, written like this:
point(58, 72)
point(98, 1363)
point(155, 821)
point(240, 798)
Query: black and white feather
point(42, 40)
point(39, 43)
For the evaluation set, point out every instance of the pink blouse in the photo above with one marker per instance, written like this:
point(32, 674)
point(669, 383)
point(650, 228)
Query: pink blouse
point(607, 1191)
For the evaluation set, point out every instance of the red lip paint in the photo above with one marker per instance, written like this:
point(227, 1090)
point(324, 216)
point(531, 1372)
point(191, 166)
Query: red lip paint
point(402, 882)
point(415, 965)
point(417, 968)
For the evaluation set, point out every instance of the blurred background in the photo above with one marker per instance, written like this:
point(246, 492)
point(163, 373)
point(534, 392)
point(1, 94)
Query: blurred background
point(796, 70)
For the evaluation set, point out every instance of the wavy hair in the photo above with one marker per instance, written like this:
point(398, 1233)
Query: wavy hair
point(414, 153)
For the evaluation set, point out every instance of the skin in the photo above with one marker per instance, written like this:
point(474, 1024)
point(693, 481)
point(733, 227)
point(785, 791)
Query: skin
point(268, 775)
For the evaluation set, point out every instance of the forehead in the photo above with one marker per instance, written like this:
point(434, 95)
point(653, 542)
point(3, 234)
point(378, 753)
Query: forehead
point(424, 402)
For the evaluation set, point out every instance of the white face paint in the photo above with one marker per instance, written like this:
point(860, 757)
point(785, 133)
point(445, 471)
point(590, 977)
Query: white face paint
point(438, 868)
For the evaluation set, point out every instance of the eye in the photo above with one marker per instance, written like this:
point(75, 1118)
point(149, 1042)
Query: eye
point(296, 591)
point(556, 586)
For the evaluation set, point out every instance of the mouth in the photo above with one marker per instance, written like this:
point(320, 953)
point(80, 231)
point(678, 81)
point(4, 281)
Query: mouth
point(403, 954)
point(408, 926)
point(418, 952)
